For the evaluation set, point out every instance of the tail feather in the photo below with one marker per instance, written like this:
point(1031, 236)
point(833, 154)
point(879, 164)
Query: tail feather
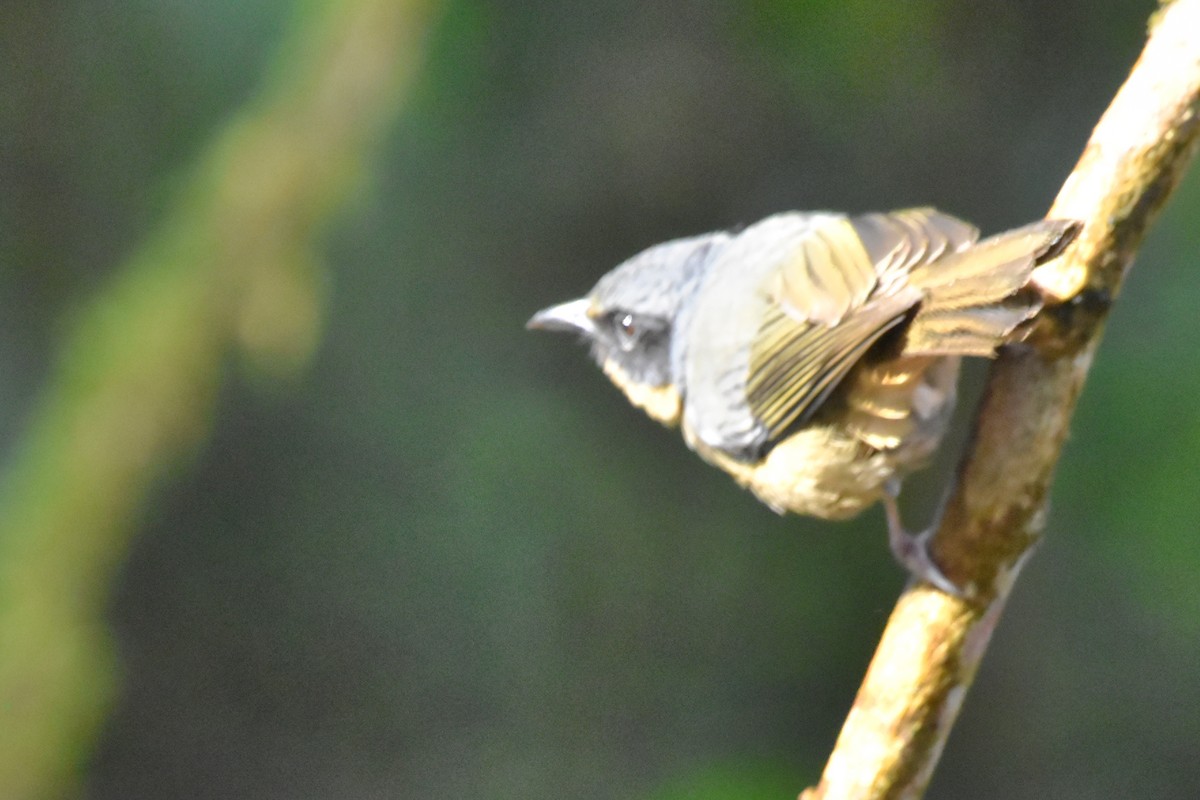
point(973, 298)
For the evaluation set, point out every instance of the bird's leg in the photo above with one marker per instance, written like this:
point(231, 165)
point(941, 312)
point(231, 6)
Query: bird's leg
point(912, 550)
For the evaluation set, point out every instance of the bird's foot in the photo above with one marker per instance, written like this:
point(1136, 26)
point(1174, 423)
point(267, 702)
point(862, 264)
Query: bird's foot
point(912, 550)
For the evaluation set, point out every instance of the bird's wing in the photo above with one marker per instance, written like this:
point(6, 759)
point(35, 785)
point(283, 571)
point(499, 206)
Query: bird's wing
point(795, 365)
point(840, 288)
point(898, 242)
point(823, 313)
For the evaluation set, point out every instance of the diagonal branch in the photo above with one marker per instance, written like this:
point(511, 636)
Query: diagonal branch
point(929, 653)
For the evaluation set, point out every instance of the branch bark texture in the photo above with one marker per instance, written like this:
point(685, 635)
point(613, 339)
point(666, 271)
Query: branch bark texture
point(933, 643)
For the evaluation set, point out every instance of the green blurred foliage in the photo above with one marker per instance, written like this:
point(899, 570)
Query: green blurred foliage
point(229, 268)
point(743, 780)
point(448, 559)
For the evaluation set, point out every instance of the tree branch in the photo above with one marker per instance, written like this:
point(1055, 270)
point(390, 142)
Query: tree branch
point(933, 643)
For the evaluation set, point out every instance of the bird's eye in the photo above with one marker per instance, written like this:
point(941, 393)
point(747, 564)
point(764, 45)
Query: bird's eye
point(627, 331)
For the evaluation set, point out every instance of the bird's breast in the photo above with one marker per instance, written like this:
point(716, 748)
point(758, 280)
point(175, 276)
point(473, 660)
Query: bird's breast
point(819, 471)
point(887, 422)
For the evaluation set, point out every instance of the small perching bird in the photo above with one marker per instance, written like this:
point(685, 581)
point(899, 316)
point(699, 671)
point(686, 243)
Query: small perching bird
point(814, 356)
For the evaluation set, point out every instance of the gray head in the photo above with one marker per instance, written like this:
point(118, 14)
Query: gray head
point(629, 316)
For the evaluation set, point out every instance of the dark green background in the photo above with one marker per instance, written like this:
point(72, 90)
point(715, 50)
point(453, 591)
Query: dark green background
point(448, 560)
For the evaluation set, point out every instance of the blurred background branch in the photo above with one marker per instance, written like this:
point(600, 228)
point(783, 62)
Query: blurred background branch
point(233, 265)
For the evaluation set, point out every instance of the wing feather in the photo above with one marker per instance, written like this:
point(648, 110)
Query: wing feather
point(842, 286)
point(789, 383)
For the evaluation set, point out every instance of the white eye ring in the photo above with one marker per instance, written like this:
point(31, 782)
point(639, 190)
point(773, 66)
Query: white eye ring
point(627, 332)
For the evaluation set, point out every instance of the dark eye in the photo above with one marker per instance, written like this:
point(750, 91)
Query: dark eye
point(628, 331)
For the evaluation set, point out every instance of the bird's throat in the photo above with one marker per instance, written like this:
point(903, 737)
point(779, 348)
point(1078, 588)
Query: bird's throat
point(661, 403)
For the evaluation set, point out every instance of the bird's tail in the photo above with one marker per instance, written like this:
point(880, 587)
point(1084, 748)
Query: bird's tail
point(976, 298)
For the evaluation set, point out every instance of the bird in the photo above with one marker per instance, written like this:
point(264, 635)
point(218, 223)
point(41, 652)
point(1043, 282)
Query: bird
point(814, 356)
